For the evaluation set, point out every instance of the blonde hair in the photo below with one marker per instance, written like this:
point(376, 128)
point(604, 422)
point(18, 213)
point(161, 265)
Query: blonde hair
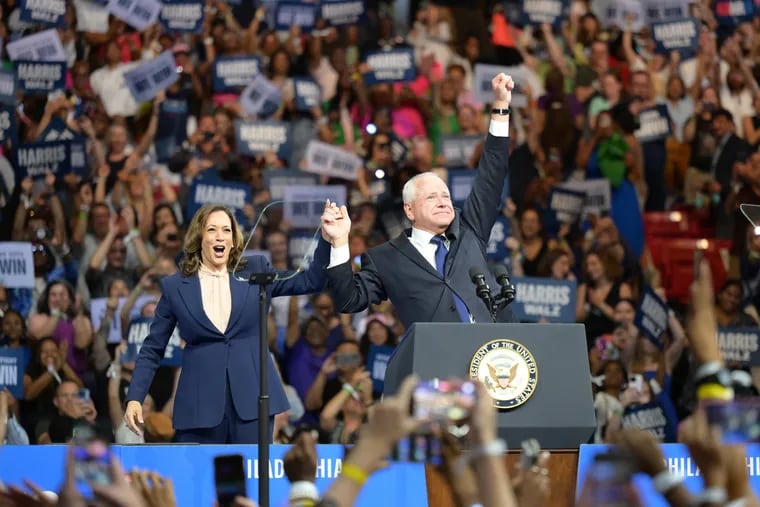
point(194, 235)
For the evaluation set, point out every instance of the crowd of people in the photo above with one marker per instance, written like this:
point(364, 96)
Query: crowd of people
point(101, 242)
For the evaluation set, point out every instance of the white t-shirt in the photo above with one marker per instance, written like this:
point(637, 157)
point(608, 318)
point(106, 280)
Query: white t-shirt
point(109, 84)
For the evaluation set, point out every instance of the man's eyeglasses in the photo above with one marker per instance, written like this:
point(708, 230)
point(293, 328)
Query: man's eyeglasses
point(38, 249)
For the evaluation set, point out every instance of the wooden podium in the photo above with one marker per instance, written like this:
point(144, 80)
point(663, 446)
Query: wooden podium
point(563, 471)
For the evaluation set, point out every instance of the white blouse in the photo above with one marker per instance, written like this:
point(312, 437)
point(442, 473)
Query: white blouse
point(216, 297)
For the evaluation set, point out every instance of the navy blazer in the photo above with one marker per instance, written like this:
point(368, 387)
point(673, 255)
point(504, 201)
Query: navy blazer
point(396, 270)
point(210, 356)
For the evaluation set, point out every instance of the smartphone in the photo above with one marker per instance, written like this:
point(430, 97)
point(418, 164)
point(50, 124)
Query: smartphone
point(609, 482)
point(443, 401)
point(92, 459)
point(739, 420)
point(418, 448)
point(636, 381)
point(84, 394)
point(229, 479)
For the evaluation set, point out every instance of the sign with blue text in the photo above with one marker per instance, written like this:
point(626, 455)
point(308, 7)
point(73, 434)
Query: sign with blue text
point(598, 194)
point(652, 316)
point(277, 180)
point(39, 78)
point(301, 14)
point(304, 204)
point(8, 127)
point(654, 124)
point(43, 12)
point(458, 150)
point(482, 89)
point(342, 12)
point(12, 371)
point(739, 345)
point(390, 66)
point(680, 35)
point(230, 74)
point(537, 12)
point(261, 97)
point(497, 250)
point(98, 312)
point(259, 137)
point(460, 184)
point(567, 204)
point(659, 11)
point(139, 329)
point(153, 76)
point(191, 470)
point(329, 160)
point(544, 300)
point(139, 14)
point(42, 46)
point(308, 95)
point(678, 462)
point(16, 265)
point(37, 159)
point(377, 361)
point(182, 15)
point(233, 195)
point(732, 12)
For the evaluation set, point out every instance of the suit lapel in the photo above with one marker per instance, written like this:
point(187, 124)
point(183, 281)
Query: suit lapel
point(191, 296)
point(239, 296)
point(403, 245)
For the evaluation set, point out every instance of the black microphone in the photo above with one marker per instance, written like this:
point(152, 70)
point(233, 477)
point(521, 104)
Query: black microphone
point(508, 291)
point(481, 287)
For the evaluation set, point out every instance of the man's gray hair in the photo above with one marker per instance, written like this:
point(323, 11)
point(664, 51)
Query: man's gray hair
point(409, 192)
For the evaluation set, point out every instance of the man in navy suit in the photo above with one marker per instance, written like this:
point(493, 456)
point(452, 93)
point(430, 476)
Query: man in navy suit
point(218, 317)
point(425, 270)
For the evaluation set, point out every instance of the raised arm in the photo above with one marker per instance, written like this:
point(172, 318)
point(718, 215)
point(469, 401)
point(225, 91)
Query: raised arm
point(482, 205)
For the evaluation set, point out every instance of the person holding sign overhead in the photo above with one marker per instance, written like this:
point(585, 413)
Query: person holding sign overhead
point(425, 270)
point(218, 317)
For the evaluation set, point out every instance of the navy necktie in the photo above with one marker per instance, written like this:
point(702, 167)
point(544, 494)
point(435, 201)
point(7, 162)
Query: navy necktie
point(440, 258)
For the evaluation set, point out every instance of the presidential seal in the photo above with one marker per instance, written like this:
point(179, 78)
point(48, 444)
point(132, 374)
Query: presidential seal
point(508, 370)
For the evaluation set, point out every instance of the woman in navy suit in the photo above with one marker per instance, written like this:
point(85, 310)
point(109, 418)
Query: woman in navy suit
point(218, 317)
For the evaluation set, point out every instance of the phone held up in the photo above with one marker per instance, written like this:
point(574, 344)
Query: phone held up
point(229, 479)
point(92, 458)
point(441, 405)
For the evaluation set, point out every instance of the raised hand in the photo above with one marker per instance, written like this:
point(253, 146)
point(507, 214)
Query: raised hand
point(336, 224)
point(502, 90)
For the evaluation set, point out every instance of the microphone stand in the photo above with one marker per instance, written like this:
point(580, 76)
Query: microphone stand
point(263, 280)
point(496, 304)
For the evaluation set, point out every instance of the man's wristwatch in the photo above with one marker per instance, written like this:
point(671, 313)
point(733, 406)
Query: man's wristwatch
point(502, 111)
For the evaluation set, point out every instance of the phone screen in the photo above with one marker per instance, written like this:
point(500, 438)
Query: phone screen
point(229, 478)
point(92, 459)
point(84, 394)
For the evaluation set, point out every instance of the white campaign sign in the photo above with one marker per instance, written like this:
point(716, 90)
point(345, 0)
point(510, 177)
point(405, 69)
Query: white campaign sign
point(92, 17)
point(42, 46)
point(304, 204)
point(482, 91)
point(98, 312)
point(137, 13)
point(152, 77)
point(16, 265)
point(598, 194)
point(258, 92)
point(323, 158)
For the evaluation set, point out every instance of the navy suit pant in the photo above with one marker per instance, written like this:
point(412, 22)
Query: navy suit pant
point(232, 429)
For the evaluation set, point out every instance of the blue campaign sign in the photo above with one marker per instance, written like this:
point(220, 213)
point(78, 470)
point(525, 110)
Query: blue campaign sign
point(172, 128)
point(233, 195)
point(43, 12)
point(57, 130)
point(8, 127)
point(276, 180)
point(153, 76)
point(232, 73)
point(259, 137)
point(460, 184)
point(35, 160)
point(308, 95)
point(7, 87)
point(191, 470)
point(732, 12)
point(497, 251)
point(566, 204)
point(39, 78)
point(342, 12)
point(678, 461)
point(137, 332)
point(739, 345)
point(680, 35)
point(288, 14)
point(181, 15)
point(390, 66)
point(377, 361)
point(654, 124)
point(652, 317)
point(12, 371)
point(536, 12)
point(544, 299)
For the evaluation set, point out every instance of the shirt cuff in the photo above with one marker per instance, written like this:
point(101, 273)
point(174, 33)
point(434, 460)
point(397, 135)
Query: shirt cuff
point(339, 256)
point(499, 128)
point(303, 490)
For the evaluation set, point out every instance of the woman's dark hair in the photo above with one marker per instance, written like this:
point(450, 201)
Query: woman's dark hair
point(544, 268)
point(559, 125)
point(11, 311)
point(42, 303)
point(608, 362)
point(364, 343)
point(37, 347)
point(161, 206)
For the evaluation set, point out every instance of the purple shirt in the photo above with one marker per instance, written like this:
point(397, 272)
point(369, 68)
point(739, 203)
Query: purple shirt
point(303, 366)
point(77, 359)
point(572, 103)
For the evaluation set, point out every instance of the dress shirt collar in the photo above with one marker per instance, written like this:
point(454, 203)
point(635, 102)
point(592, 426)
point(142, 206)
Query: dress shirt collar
point(423, 237)
point(203, 270)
